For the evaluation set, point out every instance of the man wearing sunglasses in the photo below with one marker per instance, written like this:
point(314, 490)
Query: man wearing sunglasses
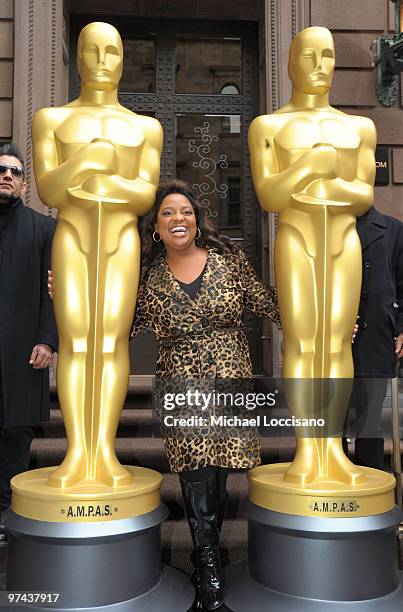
point(28, 333)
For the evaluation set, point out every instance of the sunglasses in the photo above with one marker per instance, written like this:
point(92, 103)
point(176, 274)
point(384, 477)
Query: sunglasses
point(15, 170)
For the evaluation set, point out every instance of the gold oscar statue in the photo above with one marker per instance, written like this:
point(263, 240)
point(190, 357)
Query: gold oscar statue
point(315, 166)
point(98, 163)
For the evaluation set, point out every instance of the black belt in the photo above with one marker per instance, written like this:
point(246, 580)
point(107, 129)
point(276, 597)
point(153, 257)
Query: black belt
point(206, 333)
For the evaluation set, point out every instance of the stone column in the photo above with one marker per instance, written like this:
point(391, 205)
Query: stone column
point(283, 19)
point(6, 68)
point(40, 73)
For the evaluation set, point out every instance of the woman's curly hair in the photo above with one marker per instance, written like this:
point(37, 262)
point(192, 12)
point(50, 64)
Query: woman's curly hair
point(208, 233)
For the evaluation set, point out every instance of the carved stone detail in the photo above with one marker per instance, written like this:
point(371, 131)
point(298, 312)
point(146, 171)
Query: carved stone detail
point(28, 145)
point(53, 53)
point(294, 17)
point(285, 18)
point(38, 74)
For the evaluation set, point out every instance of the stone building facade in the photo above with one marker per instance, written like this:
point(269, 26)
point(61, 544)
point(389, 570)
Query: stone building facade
point(37, 56)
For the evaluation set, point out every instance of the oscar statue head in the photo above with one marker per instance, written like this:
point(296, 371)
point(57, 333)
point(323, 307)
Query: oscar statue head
point(100, 56)
point(312, 61)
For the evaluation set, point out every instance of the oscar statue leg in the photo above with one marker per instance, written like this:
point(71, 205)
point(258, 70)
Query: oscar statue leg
point(299, 329)
point(339, 467)
point(70, 266)
point(345, 283)
point(113, 367)
point(302, 403)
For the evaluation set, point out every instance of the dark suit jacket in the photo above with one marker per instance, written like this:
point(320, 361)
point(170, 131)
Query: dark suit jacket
point(26, 315)
point(381, 304)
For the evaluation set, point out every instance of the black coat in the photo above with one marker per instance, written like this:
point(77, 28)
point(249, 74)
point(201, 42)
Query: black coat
point(381, 303)
point(26, 315)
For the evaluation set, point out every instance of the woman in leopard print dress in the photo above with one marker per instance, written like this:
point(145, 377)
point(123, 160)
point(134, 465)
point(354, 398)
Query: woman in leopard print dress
point(195, 287)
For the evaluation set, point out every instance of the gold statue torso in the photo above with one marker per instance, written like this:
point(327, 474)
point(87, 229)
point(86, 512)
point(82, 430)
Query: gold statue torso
point(299, 135)
point(98, 190)
point(108, 126)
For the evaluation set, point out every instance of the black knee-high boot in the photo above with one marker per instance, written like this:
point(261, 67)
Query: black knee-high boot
point(201, 500)
point(222, 475)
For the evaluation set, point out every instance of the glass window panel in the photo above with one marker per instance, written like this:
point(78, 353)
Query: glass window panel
point(229, 90)
point(208, 156)
point(138, 66)
point(206, 66)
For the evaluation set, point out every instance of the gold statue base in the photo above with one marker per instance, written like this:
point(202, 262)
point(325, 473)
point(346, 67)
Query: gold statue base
point(268, 489)
point(90, 502)
point(92, 546)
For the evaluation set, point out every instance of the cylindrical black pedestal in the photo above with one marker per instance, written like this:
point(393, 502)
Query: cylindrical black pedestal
point(107, 565)
point(319, 564)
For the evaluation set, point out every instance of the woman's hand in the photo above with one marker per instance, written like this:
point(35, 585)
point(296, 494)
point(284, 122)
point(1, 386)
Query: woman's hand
point(51, 289)
point(355, 330)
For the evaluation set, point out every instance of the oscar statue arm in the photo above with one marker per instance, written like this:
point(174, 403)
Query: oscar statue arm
point(360, 191)
point(274, 187)
point(141, 190)
point(53, 179)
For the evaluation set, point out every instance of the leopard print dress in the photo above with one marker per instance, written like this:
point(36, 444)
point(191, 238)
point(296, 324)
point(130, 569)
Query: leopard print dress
point(203, 339)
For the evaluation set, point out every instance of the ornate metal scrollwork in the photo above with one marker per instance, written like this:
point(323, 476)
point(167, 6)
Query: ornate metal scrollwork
point(388, 59)
point(210, 165)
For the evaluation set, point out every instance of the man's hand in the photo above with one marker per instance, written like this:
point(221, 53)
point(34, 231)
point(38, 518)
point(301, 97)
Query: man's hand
point(399, 346)
point(41, 356)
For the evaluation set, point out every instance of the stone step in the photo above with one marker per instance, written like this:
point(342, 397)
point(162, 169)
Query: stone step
point(237, 487)
point(133, 400)
point(133, 423)
point(147, 452)
point(177, 542)
point(144, 452)
point(138, 420)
